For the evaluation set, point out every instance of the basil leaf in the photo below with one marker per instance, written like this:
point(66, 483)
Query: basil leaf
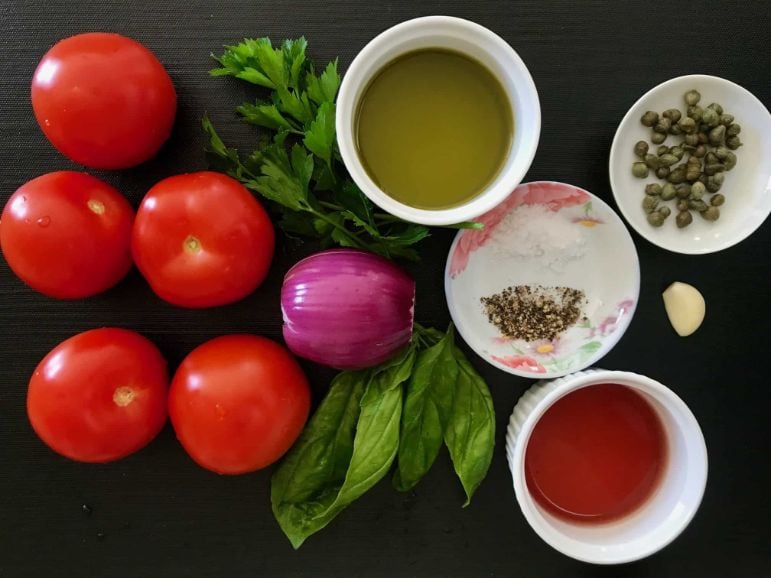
point(312, 472)
point(330, 467)
point(470, 433)
point(427, 411)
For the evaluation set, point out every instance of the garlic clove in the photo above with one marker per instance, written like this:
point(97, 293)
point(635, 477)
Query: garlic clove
point(685, 307)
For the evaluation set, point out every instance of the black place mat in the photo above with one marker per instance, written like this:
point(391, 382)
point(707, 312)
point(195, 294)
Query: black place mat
point(157, 514)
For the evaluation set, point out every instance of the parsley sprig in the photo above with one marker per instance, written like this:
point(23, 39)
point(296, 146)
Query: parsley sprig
point(297, 164)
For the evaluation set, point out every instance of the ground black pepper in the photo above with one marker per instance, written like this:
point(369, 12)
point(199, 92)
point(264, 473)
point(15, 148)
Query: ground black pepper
point(534, 312)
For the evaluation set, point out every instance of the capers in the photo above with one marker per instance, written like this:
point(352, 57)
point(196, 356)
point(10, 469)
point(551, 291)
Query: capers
point(692, 97)
point(649, 203)
point(730, 161)
point(683, 219)
point(692, 173)
point(677, 152)
point(712, 185)
point(694, 112)
point(640, 170)
point(692, 139)
point(667, 160)
point(677, 175)
point(656, 218)
point(663, 125)
point(713, 169)
point(721, 153)
point(693, 167)
point(716, 107)
point(688, 125)
point(717, 135)
point(668, 192)
point(672, 114)
point(653, 189)
point(652, 161)
point(709, 118)
point(697, 205)
point(697, 190)
point(683, 191)
point(726, 119)
point(649, 118)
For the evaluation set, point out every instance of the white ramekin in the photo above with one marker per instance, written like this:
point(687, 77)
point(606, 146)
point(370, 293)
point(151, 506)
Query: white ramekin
point(477, 42)
point(663, 517)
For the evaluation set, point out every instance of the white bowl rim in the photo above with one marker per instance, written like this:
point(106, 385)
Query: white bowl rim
point(576, 381)
point(481, 203)
point(608, 343)
point(725, 243)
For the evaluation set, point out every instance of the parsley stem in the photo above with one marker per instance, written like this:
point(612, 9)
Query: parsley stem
point(358, 243)
point(331, 206)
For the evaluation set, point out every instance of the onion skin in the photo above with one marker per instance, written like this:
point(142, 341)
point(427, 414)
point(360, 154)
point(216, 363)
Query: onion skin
point(346, 308)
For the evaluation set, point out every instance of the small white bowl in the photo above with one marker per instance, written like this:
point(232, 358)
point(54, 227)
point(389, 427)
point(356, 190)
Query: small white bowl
point(747, 187)
point(476, 42)
point(666, 513)
point(604, 266)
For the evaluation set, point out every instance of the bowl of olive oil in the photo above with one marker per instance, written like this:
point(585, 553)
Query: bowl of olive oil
point(438, 120)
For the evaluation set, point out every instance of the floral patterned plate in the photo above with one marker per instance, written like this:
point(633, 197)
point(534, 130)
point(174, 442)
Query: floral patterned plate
point(553, 235)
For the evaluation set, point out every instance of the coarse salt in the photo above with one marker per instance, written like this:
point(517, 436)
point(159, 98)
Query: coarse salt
point(536, 233)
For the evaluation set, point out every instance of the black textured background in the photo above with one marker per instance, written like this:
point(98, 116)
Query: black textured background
point(157, 514)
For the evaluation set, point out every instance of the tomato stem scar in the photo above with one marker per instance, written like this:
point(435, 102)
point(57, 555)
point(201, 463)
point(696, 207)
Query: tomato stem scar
point(123, 396)
point(191, 244)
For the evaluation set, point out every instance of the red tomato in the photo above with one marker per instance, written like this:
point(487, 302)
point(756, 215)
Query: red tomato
point(103, 100)
point(202, 240)
point(238, 403)
point(67, 235)
point(99, 396)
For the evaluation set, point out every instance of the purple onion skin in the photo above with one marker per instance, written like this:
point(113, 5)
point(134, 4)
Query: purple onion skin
point(346, 308)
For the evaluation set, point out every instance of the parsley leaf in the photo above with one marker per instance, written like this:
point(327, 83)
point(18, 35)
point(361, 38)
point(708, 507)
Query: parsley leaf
point(320, 136)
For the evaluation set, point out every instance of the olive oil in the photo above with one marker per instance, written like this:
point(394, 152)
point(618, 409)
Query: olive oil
point(434, 128)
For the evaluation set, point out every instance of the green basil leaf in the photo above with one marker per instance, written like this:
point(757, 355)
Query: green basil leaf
point(470, 434)
point(427, 411)
point(329, 467)
point(309, 477)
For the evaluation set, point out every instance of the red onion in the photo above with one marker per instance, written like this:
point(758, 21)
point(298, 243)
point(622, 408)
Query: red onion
point(346, 308)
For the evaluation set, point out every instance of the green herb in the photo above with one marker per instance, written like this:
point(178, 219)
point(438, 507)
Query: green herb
point(405, 407)
point(427, 411)
point(470, 435)
point(298, 168)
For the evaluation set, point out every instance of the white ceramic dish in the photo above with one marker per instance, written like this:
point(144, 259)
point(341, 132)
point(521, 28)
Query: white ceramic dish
point(661, 519)
point(475, 41)
point(606, 268)
point(747, 187)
